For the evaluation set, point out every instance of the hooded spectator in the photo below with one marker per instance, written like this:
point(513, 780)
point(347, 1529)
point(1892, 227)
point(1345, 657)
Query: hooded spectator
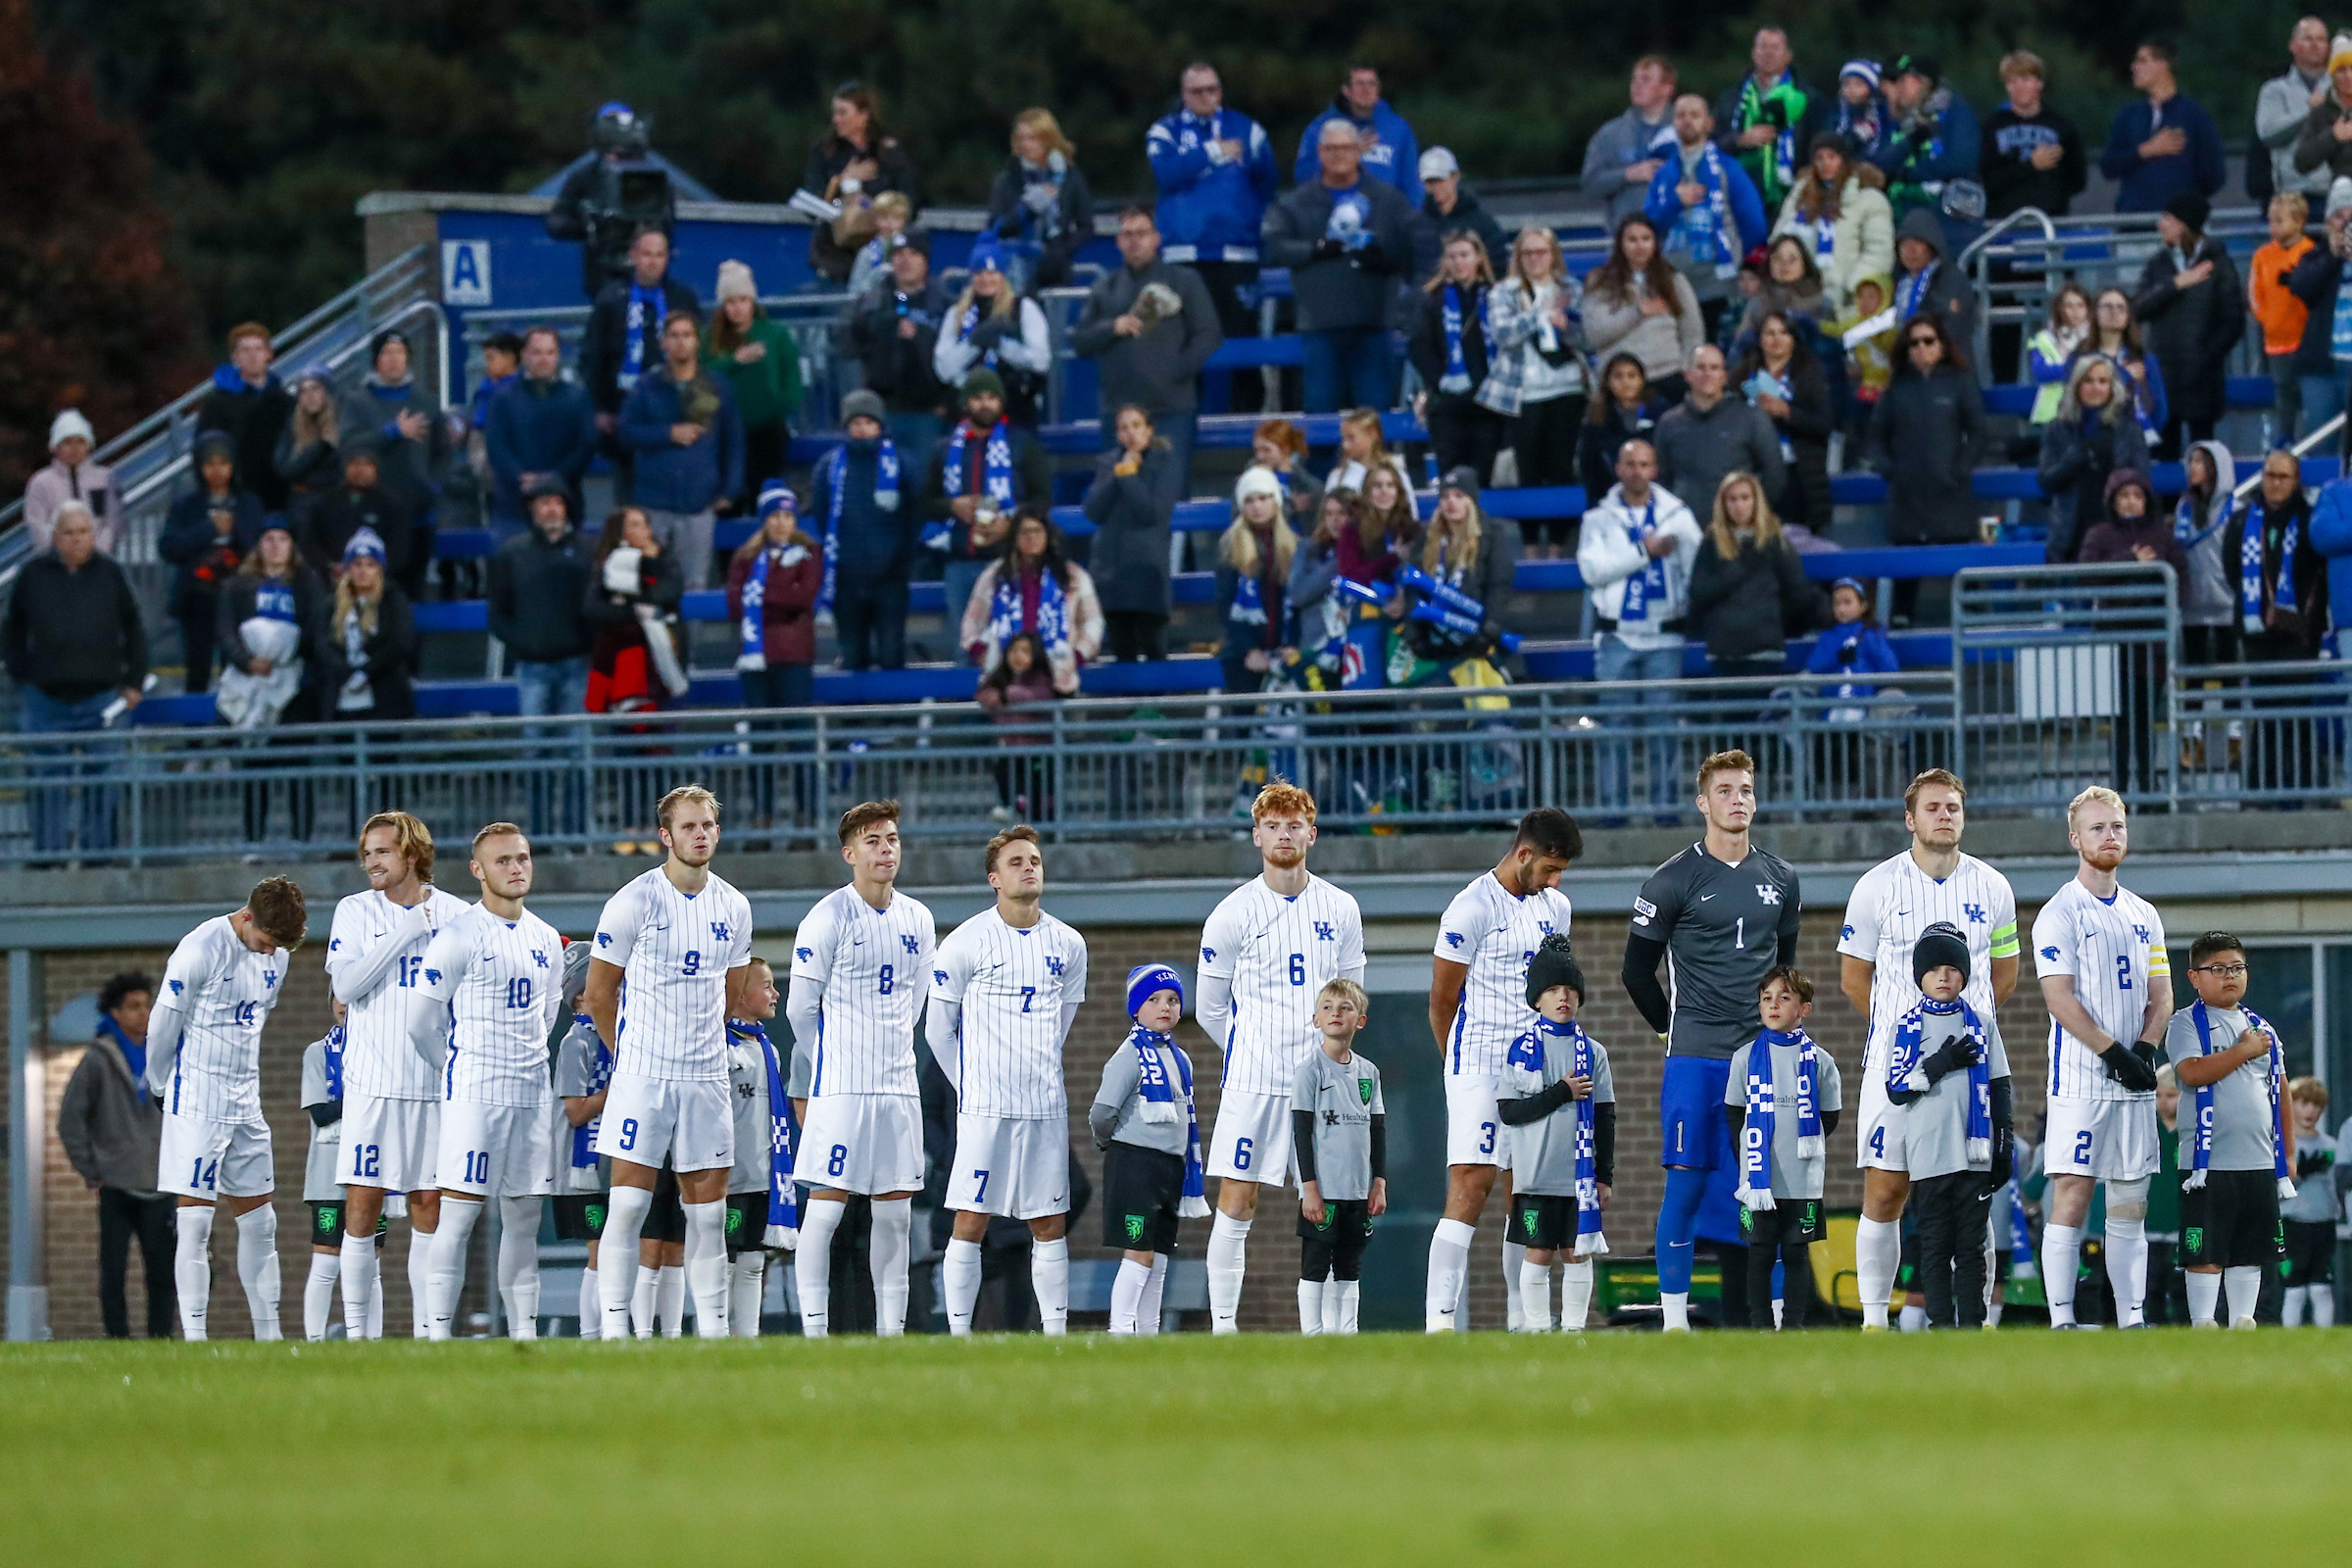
point(2033, 155)
point(1930, 283)
point(1346, 237)
point(1625, 153)
point(1039, 207)
point(1840, 210)
point(1936, 140)
point(1448, 207)
point(247, 404)
point(206, 533)
point(1452, 347)
point(2208, 603)
point(2164, 145)
point(2192, 308)
point(72, 476)
point(2285, 105)
point(1213, 167)
point(1385, 141)
point(1131, 504)
point(852, 163)
point(1150, 325)
point(540, 427)
point(893, 328)
point(763, 364)
point(2132, 531)
point(1769, 117)
point(2092, 435)
point(1636, 303)
point(993, 326)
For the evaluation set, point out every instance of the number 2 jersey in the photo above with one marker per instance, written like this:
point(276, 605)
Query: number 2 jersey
point(875, 965)
point(1278, 953)
point(223, 991)
point(677, 948)
point(500, 986)
point(2114, 948)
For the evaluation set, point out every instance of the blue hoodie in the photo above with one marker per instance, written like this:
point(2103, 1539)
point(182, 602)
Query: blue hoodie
point(1394, 158)
point(1210, 210)
point(1872, 654)
point(2332, 536)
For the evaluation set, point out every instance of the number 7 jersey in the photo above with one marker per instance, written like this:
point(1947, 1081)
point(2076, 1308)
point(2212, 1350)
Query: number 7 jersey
point(875, 965)
point(677, 948)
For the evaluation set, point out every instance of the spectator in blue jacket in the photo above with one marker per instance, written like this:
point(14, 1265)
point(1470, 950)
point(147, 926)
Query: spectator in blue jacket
point(2162, 146)
point(2332, 537)
point(539, 427)
point(682, 423)
point(1936, 140)
point(1214, 169)
point(1389, 149)
point(1853, 646)
point(1705, 209)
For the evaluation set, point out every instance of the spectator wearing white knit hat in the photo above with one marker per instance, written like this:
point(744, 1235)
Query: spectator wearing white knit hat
point(72, 476)
point(762, 362)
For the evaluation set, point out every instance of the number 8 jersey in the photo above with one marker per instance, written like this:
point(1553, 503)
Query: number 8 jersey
point(677, 948)
point(2114, 948)
point(875, 965)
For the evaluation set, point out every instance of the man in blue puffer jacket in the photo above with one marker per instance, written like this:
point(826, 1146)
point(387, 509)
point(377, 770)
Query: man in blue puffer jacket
point(2332, 537)
point(1215, 171)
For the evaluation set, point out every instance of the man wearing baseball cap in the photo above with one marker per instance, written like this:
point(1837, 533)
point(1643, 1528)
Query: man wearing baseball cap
point(1450, 207)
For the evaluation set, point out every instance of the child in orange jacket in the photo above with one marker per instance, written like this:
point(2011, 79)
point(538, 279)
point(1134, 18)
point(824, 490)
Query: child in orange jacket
point(2281, 314)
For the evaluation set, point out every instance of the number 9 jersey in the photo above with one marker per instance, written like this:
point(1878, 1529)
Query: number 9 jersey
point(677, 948)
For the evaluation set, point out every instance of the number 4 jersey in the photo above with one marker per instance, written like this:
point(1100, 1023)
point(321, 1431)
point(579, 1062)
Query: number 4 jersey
point(497, 985)
point(2114, 948)
point(676, 949)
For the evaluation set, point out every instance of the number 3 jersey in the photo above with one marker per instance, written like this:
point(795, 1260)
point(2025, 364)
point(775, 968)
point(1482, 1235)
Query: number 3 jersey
point(1277, 952)
point(875, 965)
point(497, 986)
point(677, 948)
point(2114, 948)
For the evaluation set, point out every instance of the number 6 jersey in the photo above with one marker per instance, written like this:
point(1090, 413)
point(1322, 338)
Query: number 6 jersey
point(875, 965)
point(2114, 948)
point(677, 948)
point(497, 986)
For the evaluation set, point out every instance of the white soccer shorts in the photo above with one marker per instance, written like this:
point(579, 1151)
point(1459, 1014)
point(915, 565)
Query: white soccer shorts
point(496, 1151)
point(1879, 1128)
point(1018, 1167)
point(870, 1143)
point(1473, 1126)
point(690, 1122)
point(391, 1144)
point(2109, 1140)
point(1252, 1142)
point(200, 1157)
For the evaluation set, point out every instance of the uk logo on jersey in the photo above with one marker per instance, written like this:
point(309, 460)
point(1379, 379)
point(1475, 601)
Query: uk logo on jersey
point(719, 931)
point(1543, 926)
point(2051, 953)
point(1325, 933)
point(1768, 893)
point(1975, 914)
point(2141, 931)
point(270, 979)
point(1052, 965)
point(539, 957)
point(913, 945)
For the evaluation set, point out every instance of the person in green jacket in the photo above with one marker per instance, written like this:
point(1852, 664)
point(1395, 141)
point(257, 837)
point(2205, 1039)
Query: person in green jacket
point(2168, 1292)
point(759, 358)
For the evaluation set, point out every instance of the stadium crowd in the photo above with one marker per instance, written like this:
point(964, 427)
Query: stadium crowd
point(1781, 298)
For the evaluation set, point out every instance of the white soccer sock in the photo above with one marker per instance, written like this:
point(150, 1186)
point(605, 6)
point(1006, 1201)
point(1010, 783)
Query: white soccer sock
point(1535, 1297)
point(2204, 1297)
point(518, 1265)
point(1994, 1285)
point(669, 1301)
point(747, 1281)
point(2291, 1304)
point(257, 1268)
point(1228, 1260)
point(1877, 1252)
point(813, 1264)
point(1674, 1307)
point(706, 1271)
point(894, 1230)
point(1449, 1258)
point(1050, 1282)
point(445, 1251)
point(641, 1300)
point(1348, 1296)
point(319, 1294)
point(1576, 1294)
point(421, 1280)
point(2323, 1306)
point(359, 1282)
point(1514, 1269)
point(591, 1306)
point(2244, 1286)
point(1147, 1310)
point(2061, 1260)
point(1127, 1295)
point(626, 1209)
point(1912, 1319)
point(2127, 1268)
point(959, 1280)
point(375, 1290)
point(192, 1268)
point(1310, 1307)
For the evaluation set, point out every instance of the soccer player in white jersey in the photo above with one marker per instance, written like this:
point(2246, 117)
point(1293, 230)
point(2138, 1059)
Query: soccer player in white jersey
point(204, 1063)
point(391, 1099)
point(2106, 979)
point(1894, 901)
point(860, 966)
point(1477, 1007)
point(1003, 989)
point(1266, 954)
point(681, 938)
point(493, 988)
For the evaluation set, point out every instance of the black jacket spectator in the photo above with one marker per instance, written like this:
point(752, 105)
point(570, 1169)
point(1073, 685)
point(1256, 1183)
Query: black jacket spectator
point(873, 545)
point(1431, 227)
point(605, 347)
point(1804, 495)
point(1425, 345)
point(1598, 441)
point(2313, 281)
point(344, 511)
point(537, 589)
point(1159, 369)
point(897, 367)
point(252, 418)
point(2191, 330)
point(238, 603)
point(388, 656)
point(203, 561)
point(2078, 451)
point(1032, 481)
point(1926, 438)
point(73, 633)
point(827, 156)
point(1947, 295)
point(1340, 290)
point(536, 426)
point(1131, 514)
point(1072, 215)
point(1750, 604)
point(2005, 162)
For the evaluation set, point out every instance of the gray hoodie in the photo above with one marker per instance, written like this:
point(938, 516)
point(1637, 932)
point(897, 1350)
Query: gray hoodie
point(109, 1126)
point(2206, 599)
point(1624, 141)
point(2280, 110)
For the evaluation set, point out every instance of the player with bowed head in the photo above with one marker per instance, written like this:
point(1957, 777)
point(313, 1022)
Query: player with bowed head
point(1266, 954)
point(861, 963)
point(680, 936)
point(1477, 1007)
point(1005, 986)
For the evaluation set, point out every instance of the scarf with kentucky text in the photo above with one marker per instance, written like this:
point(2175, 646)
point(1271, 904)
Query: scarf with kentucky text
point(1158, 1095)
point(2274, 1072)
point(1756, 1133)
point(783, 1197)
point(1904, 1072)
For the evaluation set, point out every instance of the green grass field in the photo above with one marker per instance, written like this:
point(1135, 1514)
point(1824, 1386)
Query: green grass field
point(1616, 1449)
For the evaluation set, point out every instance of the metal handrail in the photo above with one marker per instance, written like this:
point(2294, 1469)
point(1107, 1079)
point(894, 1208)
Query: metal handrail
point(2049, 232)
point(2301, 449)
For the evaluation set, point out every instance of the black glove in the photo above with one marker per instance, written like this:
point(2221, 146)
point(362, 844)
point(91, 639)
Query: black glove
point(2151, 1056)
point(2124, 1067)
point(987, 333)
point(2004, 1160)
point(1904, 1097)
point(2310, 1162)
point(1328, 249)
point(1955, 1053)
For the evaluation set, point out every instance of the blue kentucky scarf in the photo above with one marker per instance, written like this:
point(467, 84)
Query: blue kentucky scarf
point(1529, 1055)
point(1903, 1071)
point(1911, 290)
point(600, 1073)
point(1457, 368)
point(1053, 626)
point(2339, 329)
point(2249, 568)
point(1651, 579)
point(1707, 235)
point(996, 462)
point(1756, 1133)
point(1156, 1091)
point(751, 632)
point(646, 305)
point(2274, 1075)
point(783, 1197)
point(135, 1056)
point(837, 475)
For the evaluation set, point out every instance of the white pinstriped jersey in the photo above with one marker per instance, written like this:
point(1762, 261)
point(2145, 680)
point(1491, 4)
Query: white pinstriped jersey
point(380, 1061)
point(502, 985)
point(2114, 948)
point(677, 948)
point(1013, 985)
point(1893, 902)
point(1495, 932)
point(225, 992)
point(1278, 953)
point(875, 965)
